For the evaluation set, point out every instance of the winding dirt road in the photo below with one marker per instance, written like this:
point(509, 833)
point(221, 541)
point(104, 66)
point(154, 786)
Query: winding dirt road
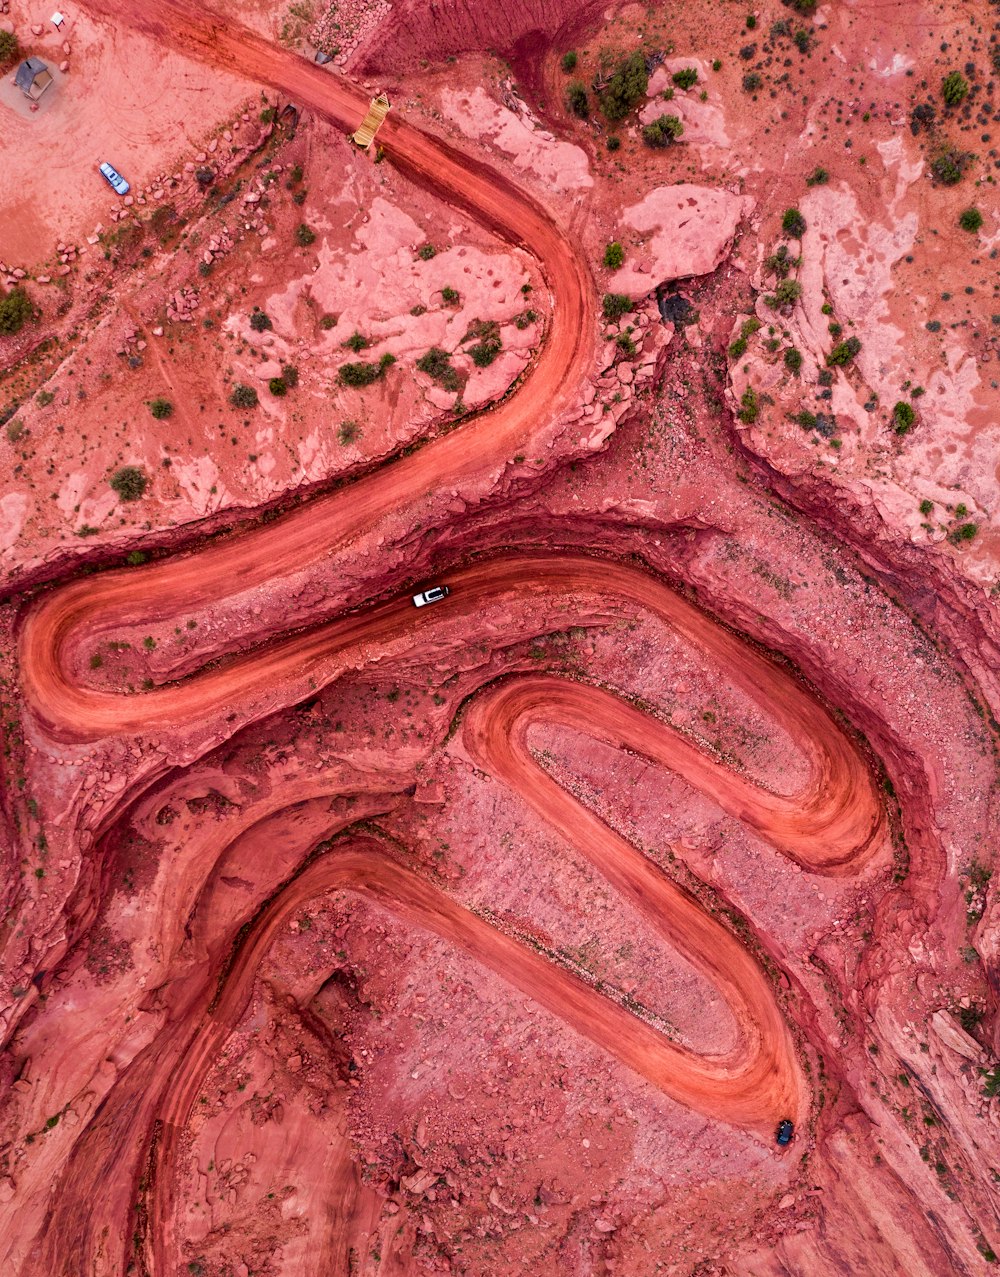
point(830, 827)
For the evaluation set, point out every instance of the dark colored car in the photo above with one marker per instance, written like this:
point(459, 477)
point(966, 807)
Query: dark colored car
point(785, 1132)
point(434, 595)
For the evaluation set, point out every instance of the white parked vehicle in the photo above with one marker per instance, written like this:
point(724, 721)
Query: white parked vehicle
point(434, 595)
point(114, 178)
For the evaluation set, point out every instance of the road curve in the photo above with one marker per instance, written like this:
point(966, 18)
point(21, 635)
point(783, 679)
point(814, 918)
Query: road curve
point(309, 534)
point(752, 1086)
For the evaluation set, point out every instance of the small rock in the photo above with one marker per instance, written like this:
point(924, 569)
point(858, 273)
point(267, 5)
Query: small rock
point(157, 332)
point(64, 66)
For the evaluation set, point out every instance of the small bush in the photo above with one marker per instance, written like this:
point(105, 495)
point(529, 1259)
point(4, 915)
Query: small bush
point(614, 142)
point(971, 220)
point(260, 322)
point(803, 41)
point(806, 419)
point(749, 406)
point(9, 48)
point(525, 319)
point(426, 251)
point(569, 61)
point(278, 386)
point(290, 375)
point(160, 408)
point(614, 256)
point(358, 375)
point(625, 344)
point(243, 396)
point(948, 166)
point(577, 100)
point(903, 417)
point(269, 115)
point(954, 87)
point(450, 296)
point(15, 429)
point(737, 347)
point(793, 223)
point(752, 82)
point(626, 88)
point(662, 132)
point(349, 432)
point(793, 360)
point(204, 176)
point(437, 365)
point(129, 482)
point(748, 52)
point(488, 346)
point(356, 342)
point(818, 177)
point(786, 294)
point(964, 532)
point(686, 78)
point(614, 305)
point(779, 263)
point(806, 7)
point(328, 321)
point(304, 235)
point(15, 311)
point(843, 352)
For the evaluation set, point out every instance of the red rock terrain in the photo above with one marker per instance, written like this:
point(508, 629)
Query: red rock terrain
point(341, 936)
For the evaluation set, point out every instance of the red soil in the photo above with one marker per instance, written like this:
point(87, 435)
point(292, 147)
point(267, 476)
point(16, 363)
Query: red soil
point(501, 934)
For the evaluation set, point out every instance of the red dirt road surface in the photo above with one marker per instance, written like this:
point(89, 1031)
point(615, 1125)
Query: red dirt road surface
point(346, 937)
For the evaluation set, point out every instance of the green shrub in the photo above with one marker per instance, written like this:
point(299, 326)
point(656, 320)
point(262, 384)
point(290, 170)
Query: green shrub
point(818, 177)
point(349, 432)
point(626, 88)
point(260, 322)
point(278, 386)
point(964, 532)
point(577, 100)
point(625, 344)
point(160, 408)
point(806, 419)
point(926, 507)
point(9, 48)
point(328, 321)
point(437, 365)
point(752, 82)
point(843, 352)
point(488, 345)
point(803, 41)
point(614, 256)
point(686, 77)
point(954, 87)
point(793, 360)
point(569, 61)
point(786, 294)
point(364, 374)
point(779, 262)
point(614, 305)
point(356, 342)
point(525, 319)
point(903, 417)
point(450, 296)
point(662, 131)
point(737, 347)
point(806, 7)
point(614, 142)
point(970, 220)
point(749, 406)
point(304, 235)
point(290, 375)
point(243, 396)
point(793, 223)
point(15, 311)
point(948, 166)
point(426, 251)
point(129, 482)
point(269, 115)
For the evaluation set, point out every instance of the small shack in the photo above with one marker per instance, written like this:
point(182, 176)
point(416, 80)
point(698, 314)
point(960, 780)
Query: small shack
point(377, 112)
point(33, 78)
